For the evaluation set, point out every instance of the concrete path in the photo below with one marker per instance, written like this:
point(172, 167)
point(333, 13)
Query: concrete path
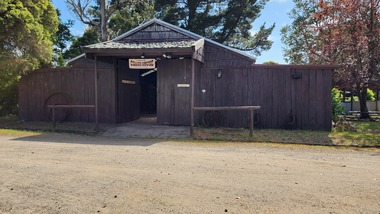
point(147, 127)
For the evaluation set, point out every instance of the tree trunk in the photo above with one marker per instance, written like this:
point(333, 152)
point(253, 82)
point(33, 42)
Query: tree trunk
point(363, 103)
point(103, 22)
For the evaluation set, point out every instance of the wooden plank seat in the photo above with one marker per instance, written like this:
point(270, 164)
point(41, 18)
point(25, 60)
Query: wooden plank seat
point(228, 108)
point(53, 107)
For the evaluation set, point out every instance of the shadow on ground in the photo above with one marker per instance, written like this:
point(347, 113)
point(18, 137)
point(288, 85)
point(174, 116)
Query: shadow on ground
point(145, 132)
point(265, 135)
point(89, 140)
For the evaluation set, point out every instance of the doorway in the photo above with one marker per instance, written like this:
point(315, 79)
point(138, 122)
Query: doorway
point(128, 96)
point(148, 97)
point(137, 93)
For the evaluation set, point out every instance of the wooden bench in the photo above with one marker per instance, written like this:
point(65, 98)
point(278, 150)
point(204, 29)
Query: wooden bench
point(371, 113)
point(227, 108)
point(53, 107)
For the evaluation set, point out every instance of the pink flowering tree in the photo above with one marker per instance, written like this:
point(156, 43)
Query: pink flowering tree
point(344, 32)
point(349, 34)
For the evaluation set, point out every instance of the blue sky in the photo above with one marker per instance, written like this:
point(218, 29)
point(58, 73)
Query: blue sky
point(276, 11)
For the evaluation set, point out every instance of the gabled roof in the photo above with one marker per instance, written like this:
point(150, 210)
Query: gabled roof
point(179, 30)
point(118, 43)
point(160, 22)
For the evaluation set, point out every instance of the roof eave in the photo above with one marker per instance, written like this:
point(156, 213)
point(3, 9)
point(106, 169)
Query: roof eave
point(134, 51)
point(68, 62)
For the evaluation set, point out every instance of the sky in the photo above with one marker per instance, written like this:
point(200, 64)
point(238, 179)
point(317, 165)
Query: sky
point(275, 11)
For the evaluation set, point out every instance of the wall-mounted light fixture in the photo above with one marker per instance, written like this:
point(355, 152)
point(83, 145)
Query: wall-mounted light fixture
point(219, 74)
point(167, 55)
point(142, 56)
point(297, 75)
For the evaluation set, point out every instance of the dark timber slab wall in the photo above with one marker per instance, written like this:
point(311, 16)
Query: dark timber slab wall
point(173, 102)
point(306, 100)
point(217, 57)
point(156, 32)
point(303, 102)
point(77, 84)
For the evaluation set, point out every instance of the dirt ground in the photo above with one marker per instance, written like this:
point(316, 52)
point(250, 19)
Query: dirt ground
point(60, 173)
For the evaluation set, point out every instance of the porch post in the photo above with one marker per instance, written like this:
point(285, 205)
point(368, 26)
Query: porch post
point(192, 96)
point(96, 96)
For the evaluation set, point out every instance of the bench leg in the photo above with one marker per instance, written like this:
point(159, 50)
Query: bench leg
point(251, 124)
point(53, 119)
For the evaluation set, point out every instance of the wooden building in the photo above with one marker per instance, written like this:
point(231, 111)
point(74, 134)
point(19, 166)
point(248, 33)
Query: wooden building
point(187, 71)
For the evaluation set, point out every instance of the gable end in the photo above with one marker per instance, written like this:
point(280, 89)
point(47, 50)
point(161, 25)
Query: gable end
point(156, 32)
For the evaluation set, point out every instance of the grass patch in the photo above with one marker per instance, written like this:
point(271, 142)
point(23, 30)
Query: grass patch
point(14, 132)
point(367, 134)
point(13, 123)
point(264, 135)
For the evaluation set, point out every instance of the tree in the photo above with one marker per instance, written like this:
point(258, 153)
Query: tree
point(26, 29)
point(350, 35)
point(99, 13)
point(128, 18)
point(90, 36)
point(270, 63)
point(61, 40)
point(346, 33)
point(299, 37)
point(225, 21)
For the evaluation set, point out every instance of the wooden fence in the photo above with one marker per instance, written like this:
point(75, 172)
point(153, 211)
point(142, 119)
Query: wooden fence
point(67, 86)
point(294, 97)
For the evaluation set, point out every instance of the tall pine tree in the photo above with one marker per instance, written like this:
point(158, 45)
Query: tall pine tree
point(225, 21)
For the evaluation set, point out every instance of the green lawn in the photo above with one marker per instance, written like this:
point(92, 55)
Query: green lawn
point(367, 134)
point(15, 132)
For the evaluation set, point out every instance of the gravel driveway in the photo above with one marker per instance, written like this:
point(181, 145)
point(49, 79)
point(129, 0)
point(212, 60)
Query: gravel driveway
point(59, 173)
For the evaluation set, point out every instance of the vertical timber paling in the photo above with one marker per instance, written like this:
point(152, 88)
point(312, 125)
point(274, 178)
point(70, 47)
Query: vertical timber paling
point(192, 96)
point(96, 95)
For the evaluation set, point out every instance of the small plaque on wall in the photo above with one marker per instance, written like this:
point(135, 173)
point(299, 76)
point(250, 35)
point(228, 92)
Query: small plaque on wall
point(183, 85)
point(128, 82)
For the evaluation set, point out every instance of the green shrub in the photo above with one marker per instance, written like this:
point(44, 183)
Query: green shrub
point(8, 93)
point(370, 95)
point(337, 107)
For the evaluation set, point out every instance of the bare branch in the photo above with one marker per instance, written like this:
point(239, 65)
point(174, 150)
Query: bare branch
point(80, 10)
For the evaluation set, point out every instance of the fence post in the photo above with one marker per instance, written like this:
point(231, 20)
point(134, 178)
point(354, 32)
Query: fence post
point(53, 114)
